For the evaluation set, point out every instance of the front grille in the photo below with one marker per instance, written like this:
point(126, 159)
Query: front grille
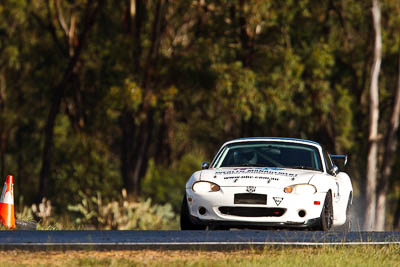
point(252, 211)
point(250, 199)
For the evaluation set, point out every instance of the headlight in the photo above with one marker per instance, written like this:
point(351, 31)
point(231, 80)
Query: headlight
point(300, 189)
point(203, 186)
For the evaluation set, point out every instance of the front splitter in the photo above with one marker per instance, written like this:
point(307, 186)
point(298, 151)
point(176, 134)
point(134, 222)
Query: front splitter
point(258, 225)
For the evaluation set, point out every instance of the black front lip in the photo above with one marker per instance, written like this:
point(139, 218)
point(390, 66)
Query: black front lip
point(249, 224)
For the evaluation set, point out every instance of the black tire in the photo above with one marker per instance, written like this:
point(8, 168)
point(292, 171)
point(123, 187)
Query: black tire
point(186, 223)
point(327, 213)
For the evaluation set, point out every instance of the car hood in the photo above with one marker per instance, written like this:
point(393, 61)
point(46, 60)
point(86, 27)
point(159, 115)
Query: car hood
point(268, 177)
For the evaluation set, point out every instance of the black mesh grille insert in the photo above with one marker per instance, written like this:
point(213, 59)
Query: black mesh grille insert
point(250, 199)
point(252, 211)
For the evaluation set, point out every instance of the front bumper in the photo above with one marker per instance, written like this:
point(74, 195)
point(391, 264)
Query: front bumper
point(250, 224)
point(301, 211)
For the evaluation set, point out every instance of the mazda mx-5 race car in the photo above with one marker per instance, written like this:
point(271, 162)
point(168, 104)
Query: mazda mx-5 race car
point(268, 183)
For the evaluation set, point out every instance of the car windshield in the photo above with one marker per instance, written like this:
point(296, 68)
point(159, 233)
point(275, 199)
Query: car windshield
point(269, 154)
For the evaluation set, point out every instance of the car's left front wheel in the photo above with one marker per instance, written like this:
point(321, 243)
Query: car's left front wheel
point(327, 213)
point(186, 223)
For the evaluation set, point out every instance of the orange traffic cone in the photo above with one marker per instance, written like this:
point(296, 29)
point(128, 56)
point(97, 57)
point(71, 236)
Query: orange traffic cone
point(7, 217)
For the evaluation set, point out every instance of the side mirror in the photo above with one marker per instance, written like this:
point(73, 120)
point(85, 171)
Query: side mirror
point(334, 171)
point(205, 165)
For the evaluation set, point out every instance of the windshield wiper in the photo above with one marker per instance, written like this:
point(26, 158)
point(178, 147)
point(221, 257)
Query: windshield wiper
point(249, 165)
point(302, 167)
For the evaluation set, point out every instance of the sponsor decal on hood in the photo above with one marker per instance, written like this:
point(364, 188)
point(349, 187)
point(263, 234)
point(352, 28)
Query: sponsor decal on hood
point(272, 171)
point(259, 176)
point(268, 174)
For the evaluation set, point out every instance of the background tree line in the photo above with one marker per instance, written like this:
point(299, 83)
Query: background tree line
point(104, 95)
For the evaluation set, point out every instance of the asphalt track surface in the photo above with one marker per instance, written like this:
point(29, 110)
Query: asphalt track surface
point(185, 240)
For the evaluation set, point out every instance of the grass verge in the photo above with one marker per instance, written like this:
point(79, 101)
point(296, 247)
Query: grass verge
point(364, 255)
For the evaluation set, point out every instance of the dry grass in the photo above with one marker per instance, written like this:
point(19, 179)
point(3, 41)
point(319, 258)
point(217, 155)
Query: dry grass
point(143, 257)
point(270, 256)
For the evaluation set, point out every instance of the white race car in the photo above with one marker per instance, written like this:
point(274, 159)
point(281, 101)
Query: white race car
point(268, 183)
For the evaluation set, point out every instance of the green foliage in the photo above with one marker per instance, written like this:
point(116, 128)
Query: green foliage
point(236, 90)
point(166, 184)
point(122, 214)
point(23, 212)
point(83, 164)
point(206, 72)
point(41, 214)
point(129, 95)
point(344, 126)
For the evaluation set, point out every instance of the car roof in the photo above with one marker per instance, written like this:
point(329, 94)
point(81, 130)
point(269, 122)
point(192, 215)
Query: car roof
point(283, 139)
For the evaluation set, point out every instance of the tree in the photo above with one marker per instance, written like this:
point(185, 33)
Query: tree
point(390, 146)
point(373, 137)
point(136, 139)
point(74, 43)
